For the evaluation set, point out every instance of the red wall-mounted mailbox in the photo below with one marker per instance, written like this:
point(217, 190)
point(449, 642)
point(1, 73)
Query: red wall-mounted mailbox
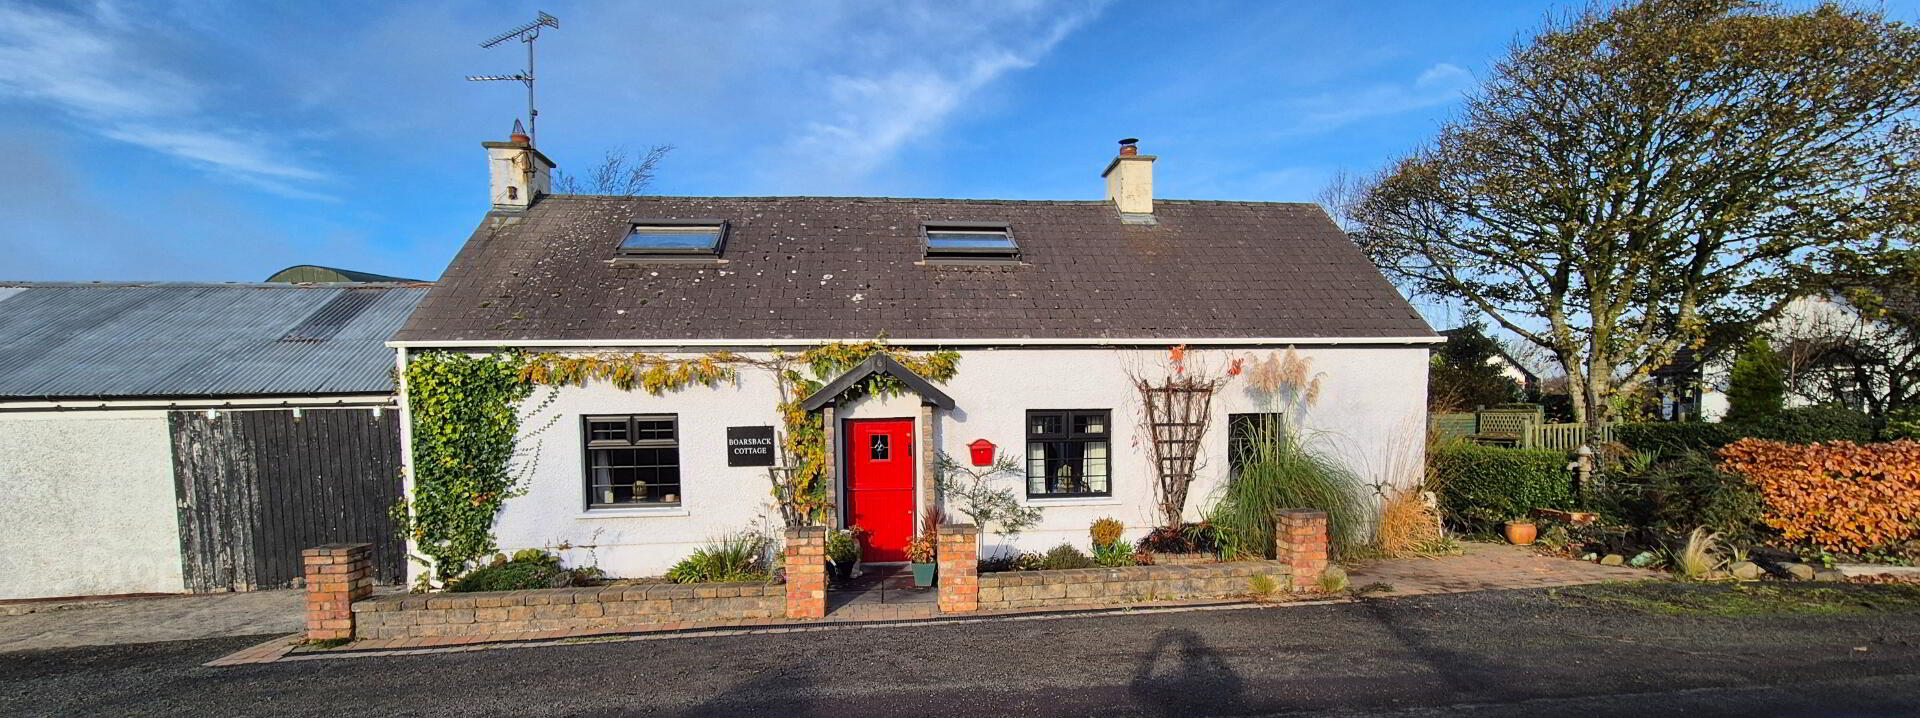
point(982, 452)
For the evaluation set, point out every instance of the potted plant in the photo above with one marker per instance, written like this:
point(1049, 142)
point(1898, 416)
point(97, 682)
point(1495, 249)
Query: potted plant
point(843, 551)
point(921, 552)
point(1521, 532)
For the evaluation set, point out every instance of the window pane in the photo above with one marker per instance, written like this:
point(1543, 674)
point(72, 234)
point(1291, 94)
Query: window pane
point(969, 240)
point(644, 238)
point(1045, 424)
point(877, 449)
point(607, 430)
point(655, 429)
point(1090, 423)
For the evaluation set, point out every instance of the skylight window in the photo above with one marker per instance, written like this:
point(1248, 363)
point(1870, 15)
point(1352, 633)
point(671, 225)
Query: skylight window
point(971, 241)
point(673, 238)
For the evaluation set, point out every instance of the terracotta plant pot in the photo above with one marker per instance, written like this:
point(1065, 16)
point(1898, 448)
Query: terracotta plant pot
point(1521, 533)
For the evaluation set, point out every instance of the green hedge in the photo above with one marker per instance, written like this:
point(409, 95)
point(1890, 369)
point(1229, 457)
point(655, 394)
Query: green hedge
point(1802, 425)
point(1482, 486)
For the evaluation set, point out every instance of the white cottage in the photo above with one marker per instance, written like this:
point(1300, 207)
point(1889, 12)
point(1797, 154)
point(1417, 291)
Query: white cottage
point(1054, 308)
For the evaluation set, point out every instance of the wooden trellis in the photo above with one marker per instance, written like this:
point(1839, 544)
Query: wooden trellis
point(1177, 415)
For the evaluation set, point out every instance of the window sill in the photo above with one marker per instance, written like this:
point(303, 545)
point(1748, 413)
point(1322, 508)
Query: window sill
point(633, 513)
point(1076, 501)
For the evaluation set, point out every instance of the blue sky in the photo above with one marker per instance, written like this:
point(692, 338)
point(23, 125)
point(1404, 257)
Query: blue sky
point(221, 141)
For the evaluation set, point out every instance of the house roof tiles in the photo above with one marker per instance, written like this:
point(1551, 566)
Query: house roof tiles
point(851, 267)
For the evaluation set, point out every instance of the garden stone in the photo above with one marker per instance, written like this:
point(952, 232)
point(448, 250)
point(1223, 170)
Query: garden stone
point(1747, 571)
point(1613, 559)
point(1799, 571)
point(1642, 559)
point(1828, 574)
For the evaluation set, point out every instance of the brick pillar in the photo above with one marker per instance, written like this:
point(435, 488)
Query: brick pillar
point(337, 575)
point(1300, 539)
point(807, 572)
point(959, 566)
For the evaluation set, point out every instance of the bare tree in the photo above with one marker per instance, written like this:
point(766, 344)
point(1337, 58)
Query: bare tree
point(619, 173)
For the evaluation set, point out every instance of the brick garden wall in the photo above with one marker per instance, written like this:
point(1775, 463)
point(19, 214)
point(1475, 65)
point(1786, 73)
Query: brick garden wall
point(563, 609)
point(1131, 584)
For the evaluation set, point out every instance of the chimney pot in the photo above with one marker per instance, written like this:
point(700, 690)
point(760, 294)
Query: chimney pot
point(1130, 146)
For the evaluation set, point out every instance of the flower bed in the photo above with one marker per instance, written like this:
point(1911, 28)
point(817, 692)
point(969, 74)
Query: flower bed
point(563, 609)
point(1132, 584)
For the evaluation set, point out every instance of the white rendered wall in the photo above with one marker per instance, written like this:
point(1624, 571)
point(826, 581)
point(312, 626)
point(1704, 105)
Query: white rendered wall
point(1371, 412)
point(88, 501)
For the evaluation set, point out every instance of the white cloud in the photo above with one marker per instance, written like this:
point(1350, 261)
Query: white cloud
point(1440, 84)
point(94, 69)
point(930, 64)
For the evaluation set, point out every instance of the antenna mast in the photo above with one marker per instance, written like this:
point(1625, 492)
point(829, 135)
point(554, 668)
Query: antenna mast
point(527, 34)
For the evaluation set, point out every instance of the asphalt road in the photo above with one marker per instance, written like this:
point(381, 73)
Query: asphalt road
point(1509, 653)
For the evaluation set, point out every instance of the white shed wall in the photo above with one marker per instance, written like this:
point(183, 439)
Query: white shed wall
point(89, 504)
point(1371, 412)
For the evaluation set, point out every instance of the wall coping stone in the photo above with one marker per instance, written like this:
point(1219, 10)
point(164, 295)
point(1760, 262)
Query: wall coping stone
point(561, 596)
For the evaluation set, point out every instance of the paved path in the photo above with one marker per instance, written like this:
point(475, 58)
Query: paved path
point(145, 620)
point(1487, 566)
point(1522, 653)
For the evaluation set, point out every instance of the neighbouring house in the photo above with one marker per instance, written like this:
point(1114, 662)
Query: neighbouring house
point(1054, 308)
point(161, 437)
point(1834, 351)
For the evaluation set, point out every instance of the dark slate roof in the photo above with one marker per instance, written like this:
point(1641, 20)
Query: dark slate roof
point(848, 267)
point(168, 339)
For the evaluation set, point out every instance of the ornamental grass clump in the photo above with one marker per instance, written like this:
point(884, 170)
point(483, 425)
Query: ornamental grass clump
point(1279, 472)
point(734, 557)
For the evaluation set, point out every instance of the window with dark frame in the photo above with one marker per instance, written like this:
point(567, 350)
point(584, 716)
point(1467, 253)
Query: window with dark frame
point(671, 239)
point(633, 460)
point(1243, 430)
point(970, 242)
point(1067, 453)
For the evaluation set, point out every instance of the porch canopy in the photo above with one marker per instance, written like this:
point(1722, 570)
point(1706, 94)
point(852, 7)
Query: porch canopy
point(877, 364)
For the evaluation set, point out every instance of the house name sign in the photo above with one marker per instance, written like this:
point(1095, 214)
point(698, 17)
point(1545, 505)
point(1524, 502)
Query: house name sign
point(749, 446)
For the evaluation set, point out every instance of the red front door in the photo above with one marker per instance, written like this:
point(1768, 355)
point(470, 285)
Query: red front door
point(880, 485)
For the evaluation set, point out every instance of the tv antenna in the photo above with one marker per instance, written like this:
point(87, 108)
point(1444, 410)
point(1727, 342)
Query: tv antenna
point(527, 34)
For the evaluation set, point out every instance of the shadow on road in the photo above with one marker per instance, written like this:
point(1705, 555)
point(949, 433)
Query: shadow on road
point(1181, 676)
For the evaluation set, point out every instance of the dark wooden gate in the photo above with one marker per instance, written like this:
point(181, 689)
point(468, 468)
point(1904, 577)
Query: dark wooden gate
point(257, 487)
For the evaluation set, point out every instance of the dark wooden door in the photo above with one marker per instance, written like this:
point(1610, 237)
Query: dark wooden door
point(880, 485)
point(257, 487)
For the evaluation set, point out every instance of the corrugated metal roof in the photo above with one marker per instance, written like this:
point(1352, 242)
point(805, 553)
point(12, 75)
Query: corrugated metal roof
point(68, 340)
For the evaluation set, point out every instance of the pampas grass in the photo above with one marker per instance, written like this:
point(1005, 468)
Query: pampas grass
point(1280, 472)
point(1700, 555)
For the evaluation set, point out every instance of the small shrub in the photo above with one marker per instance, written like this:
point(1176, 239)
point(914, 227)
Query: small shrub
point(1483, 486)
point(1333, 580)
point(1065, 556)
point(1691, 491)
point(735, 557)
point(1185, 538)
point(1698, 556)
point(1902, 424)
point(1840, 496)
point(1115, 554)
point(1000, 562)
point(1261, 586)
point(1106, 531)
point(1030, 562)
point(527, 569)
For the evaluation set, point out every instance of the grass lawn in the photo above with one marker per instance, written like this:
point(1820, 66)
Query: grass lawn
point(1744, 599)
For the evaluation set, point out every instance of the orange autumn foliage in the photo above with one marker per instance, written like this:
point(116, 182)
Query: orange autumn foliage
point(1838, 495)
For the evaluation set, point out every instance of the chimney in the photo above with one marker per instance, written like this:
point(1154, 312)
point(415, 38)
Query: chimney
point(519, 173)
point(1130, 180)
